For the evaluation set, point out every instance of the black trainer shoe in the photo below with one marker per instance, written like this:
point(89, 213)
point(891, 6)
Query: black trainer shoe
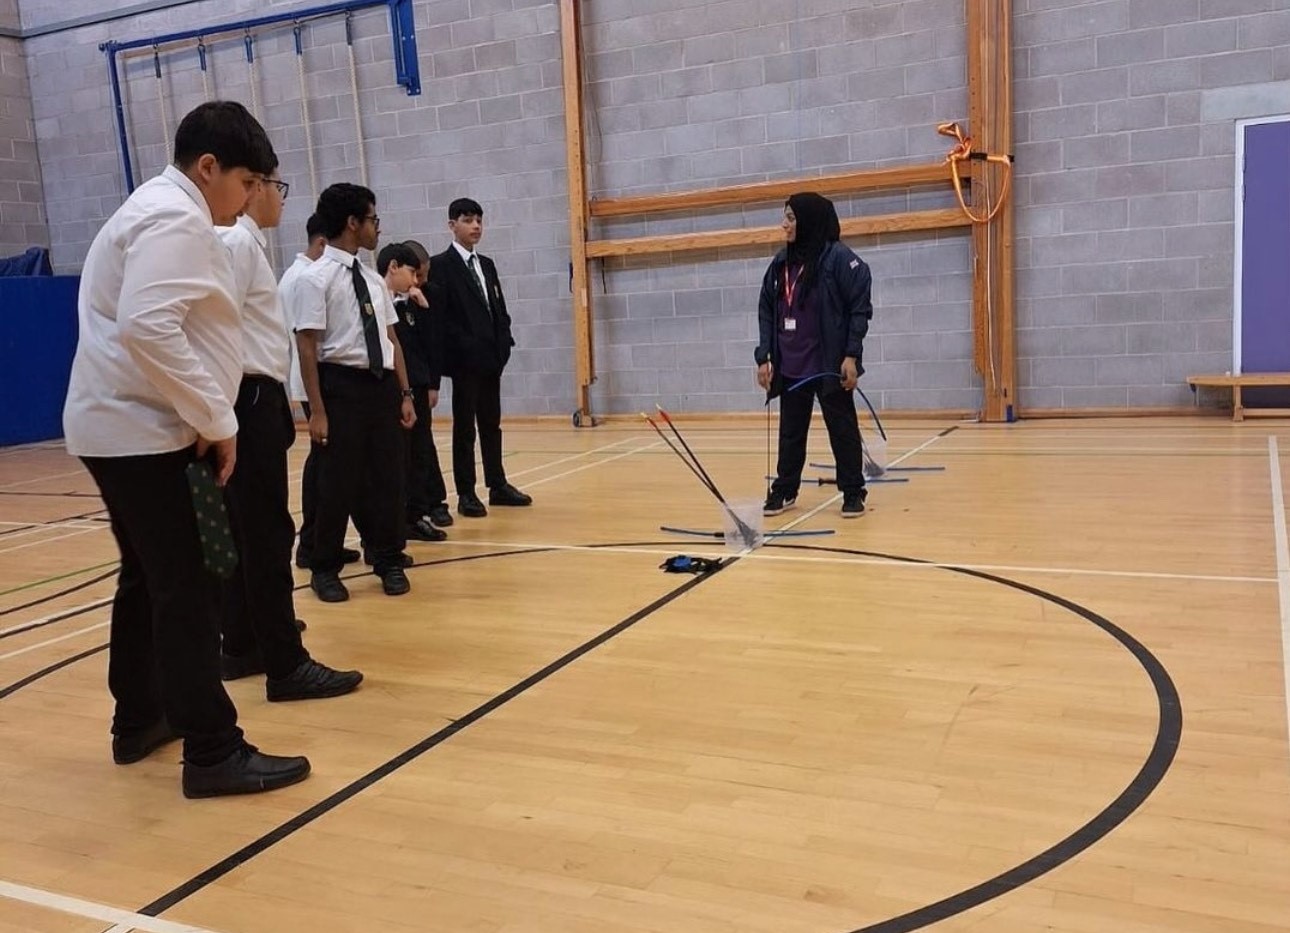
point(423, 530)
point(440, 516)
point(506, 494)
point(853, 504)
point(328, 587)
point(470, 506)
point(136, 746)
point(311, 681)
point(777, 502)
point(246, 771)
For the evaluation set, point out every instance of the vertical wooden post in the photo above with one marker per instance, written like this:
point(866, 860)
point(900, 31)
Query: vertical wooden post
point(576, 159)
point(989, 35)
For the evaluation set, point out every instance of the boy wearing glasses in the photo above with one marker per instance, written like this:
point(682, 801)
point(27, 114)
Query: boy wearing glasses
point(354, 374)
point(260, 635)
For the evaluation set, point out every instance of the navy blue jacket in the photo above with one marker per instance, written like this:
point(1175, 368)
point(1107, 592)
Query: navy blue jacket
point(845, 311)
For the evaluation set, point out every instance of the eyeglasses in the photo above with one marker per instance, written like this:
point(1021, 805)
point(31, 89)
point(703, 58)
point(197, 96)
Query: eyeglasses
point(376, 221)
point(282, 186)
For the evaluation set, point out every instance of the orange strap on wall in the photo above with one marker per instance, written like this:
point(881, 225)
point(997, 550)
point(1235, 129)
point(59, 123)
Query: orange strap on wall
point(963, 152)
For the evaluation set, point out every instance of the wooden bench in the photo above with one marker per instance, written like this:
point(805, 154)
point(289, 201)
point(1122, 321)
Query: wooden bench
point(1240, 381)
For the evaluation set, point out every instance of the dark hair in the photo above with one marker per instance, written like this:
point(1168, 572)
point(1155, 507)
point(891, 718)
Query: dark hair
point(226, 130)
point(423, 255)
point(463, 206)
point(313, 227)
point(396, 252)
point(339, 203)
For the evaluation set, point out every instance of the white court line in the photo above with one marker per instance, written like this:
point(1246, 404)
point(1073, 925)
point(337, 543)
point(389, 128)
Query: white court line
point(588, 466)
point(41, 479)
point(125, 920)
point(861, 561)
point(837, 495)
point(74, 534)
point(37, 623)
point(452, 488)
point(1283, 561)
point(54, 641)
point(42, 527)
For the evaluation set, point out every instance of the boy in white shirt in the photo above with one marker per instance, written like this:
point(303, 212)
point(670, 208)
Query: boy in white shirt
point(354, 374)
point(152, 386)
point(259, 620)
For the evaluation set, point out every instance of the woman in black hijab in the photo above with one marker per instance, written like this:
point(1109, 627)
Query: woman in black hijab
point(813, 315)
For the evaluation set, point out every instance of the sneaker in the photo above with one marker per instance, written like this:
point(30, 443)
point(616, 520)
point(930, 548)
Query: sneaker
point(853, 504)
point(777, 502)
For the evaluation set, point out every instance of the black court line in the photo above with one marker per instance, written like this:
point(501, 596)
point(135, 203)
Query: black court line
point(248, 852)
point(1134, 795)
point(53, 495)
point(52, 596)
point(1149, 776)
point(45, 672)
point(73, 613)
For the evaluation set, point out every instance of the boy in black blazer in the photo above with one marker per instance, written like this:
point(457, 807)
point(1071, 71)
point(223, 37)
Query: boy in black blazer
point(478, 336)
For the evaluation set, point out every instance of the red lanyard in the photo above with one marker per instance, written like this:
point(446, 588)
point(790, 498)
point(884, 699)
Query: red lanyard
point(791, 286)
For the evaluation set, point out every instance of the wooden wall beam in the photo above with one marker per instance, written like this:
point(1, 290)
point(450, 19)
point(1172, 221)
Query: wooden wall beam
point(906, 176)
point(576, 159)
point(990, 125)
point(754, 236)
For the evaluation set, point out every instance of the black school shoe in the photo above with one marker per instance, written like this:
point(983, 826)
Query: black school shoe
point(311, 681)
point(328, 587)
point(246, 771)
point(440, 516)
point(395, 582)
point(424, 530)
point(136, 746)
point(469, 506)
point(506, 494)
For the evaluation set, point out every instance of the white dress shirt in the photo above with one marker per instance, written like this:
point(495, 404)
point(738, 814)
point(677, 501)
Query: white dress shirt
point(323, 298)
point(160, 353)
point(266, 333)
point(477, 268)
point(295, 384)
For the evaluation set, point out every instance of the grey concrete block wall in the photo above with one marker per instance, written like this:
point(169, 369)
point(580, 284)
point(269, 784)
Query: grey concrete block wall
point(1124, 141)
point(22, 202)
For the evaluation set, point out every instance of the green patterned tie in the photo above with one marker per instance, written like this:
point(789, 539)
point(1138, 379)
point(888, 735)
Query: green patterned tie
point(218, 549)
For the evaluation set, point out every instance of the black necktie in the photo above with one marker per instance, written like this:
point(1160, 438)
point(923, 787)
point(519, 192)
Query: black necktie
point(371, 327)
point(473, 265)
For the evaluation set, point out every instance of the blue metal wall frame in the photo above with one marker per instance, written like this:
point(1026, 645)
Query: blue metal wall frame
point(402, 27)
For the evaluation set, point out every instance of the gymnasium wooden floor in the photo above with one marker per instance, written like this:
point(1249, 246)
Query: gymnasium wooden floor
point(1043, 689)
